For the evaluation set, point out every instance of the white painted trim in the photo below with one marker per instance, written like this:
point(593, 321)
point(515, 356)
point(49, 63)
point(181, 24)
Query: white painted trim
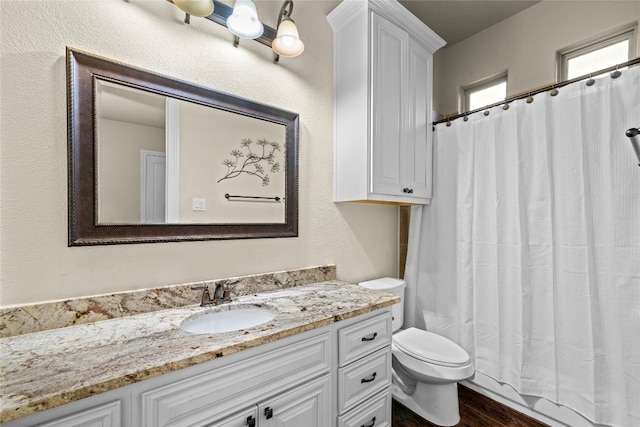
point(172, 142)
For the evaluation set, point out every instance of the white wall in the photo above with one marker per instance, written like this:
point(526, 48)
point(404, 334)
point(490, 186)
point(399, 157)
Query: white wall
point(525, 45)
point(35, 262)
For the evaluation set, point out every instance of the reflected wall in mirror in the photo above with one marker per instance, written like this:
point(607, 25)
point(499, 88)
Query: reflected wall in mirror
point(152, 159)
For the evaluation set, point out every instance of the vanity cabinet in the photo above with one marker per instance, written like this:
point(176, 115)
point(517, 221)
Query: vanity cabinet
point(338, 374)
point(383, 88)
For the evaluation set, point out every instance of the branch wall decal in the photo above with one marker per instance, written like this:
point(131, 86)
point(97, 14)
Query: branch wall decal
point(250, 163)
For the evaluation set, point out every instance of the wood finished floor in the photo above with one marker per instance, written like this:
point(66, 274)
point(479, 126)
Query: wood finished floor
point(476, 410)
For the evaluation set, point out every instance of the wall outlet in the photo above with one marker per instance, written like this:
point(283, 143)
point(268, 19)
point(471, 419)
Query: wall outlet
point(199, 204)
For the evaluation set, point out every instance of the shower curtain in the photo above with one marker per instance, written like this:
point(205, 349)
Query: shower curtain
point(529, 254)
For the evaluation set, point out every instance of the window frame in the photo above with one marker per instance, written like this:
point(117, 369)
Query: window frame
point(467, 90)
point(585, 47)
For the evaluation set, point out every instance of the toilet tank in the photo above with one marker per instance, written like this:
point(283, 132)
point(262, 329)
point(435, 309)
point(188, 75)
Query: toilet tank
point(393, 286)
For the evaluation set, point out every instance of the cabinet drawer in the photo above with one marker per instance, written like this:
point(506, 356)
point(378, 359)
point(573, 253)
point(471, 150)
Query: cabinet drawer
point(203, 398)
point(374, 413)
point(363, 379)
point(355, 342)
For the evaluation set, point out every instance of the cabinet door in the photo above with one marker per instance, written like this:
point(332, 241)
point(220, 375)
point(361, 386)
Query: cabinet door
point(308, 406)
point(246, 418)
point(388, 71)
point(418, 149)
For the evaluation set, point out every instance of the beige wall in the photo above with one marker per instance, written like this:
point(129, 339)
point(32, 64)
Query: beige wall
point(525, 45)
point(35, 262)
point(119, 168)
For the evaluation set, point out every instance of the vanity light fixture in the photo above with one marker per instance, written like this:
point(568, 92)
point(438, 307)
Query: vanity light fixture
point(287, 41)
point(244, 21)
point(199, 8)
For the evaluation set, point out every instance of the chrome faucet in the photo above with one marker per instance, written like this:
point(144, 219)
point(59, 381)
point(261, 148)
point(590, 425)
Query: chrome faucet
point(221, 293)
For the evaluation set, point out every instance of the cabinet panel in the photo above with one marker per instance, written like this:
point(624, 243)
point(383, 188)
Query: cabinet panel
point(203, 398)
point(375, 412)
point(419, 148)
point(388, 51)
point(363, 379)
point(107, 415)
point(307, 406)
point(356, 341)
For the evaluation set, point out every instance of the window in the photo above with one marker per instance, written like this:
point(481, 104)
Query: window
point(596, 55)
point(486, 92)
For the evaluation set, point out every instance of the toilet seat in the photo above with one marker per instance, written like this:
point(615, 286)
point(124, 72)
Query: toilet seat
point(431, 348)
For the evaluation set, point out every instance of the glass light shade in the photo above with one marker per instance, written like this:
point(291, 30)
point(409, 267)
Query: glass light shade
point(199, 8)
point(287, 41)
point(244, 21)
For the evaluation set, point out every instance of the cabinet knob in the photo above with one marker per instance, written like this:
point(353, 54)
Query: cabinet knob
point(268, 412)
point(368, 380)
point(251, 421)
point(371, 424)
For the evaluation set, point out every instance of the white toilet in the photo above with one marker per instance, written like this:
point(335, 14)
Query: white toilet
point(426, 366)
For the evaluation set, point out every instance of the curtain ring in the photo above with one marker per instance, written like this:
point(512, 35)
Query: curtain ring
point(448, 121)
point(466, 117)
point(505, 106)
point(529, 99)
point(553, 91)
point(591, 81)
point(617, 73)
point(486, 112)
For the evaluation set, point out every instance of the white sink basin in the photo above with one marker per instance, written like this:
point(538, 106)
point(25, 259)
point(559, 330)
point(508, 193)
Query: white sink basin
point(227, 320)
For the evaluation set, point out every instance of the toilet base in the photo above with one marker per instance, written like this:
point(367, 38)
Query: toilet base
point(436, 403)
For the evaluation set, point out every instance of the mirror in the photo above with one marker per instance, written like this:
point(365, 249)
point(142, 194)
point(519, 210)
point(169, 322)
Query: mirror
point(153, 159)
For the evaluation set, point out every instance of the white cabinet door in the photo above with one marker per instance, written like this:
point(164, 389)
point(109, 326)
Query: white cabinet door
point(246, 418)
point(388, 56)
point(418, 150)
point(308, 406)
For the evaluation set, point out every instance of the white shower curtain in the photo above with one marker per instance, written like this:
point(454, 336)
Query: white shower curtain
point(529, 254)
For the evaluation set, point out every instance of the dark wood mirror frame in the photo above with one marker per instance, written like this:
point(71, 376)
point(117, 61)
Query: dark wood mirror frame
point(82, 70)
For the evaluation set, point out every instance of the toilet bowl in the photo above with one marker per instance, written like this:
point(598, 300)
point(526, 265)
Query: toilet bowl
point(426, 366)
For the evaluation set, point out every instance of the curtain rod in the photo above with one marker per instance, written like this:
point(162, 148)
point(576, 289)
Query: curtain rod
point(546, 88)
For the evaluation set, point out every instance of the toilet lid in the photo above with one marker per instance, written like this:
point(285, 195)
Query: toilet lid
point(430, 347)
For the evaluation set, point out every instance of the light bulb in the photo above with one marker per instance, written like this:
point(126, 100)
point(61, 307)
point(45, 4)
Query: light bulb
point(244, 21)
point(199, 8)
point(287, 41)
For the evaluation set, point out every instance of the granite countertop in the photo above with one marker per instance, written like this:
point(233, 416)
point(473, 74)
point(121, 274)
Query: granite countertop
point(42, 370)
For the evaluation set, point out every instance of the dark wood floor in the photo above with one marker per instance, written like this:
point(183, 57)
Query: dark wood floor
point(476, 410)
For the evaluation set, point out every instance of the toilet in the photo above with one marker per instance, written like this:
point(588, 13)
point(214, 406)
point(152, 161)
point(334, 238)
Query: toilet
point(426, 366)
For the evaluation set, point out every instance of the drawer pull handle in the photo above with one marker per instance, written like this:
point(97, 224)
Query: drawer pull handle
point(371, 424)
point(268, 413)
point(251, 422)
point(368, 380)
point(370, 337)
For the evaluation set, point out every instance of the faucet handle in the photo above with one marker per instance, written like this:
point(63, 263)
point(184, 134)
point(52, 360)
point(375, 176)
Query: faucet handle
point(226, 291)
point(206, 296)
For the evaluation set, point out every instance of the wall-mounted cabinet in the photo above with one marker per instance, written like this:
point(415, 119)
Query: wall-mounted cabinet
point(383, 75)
